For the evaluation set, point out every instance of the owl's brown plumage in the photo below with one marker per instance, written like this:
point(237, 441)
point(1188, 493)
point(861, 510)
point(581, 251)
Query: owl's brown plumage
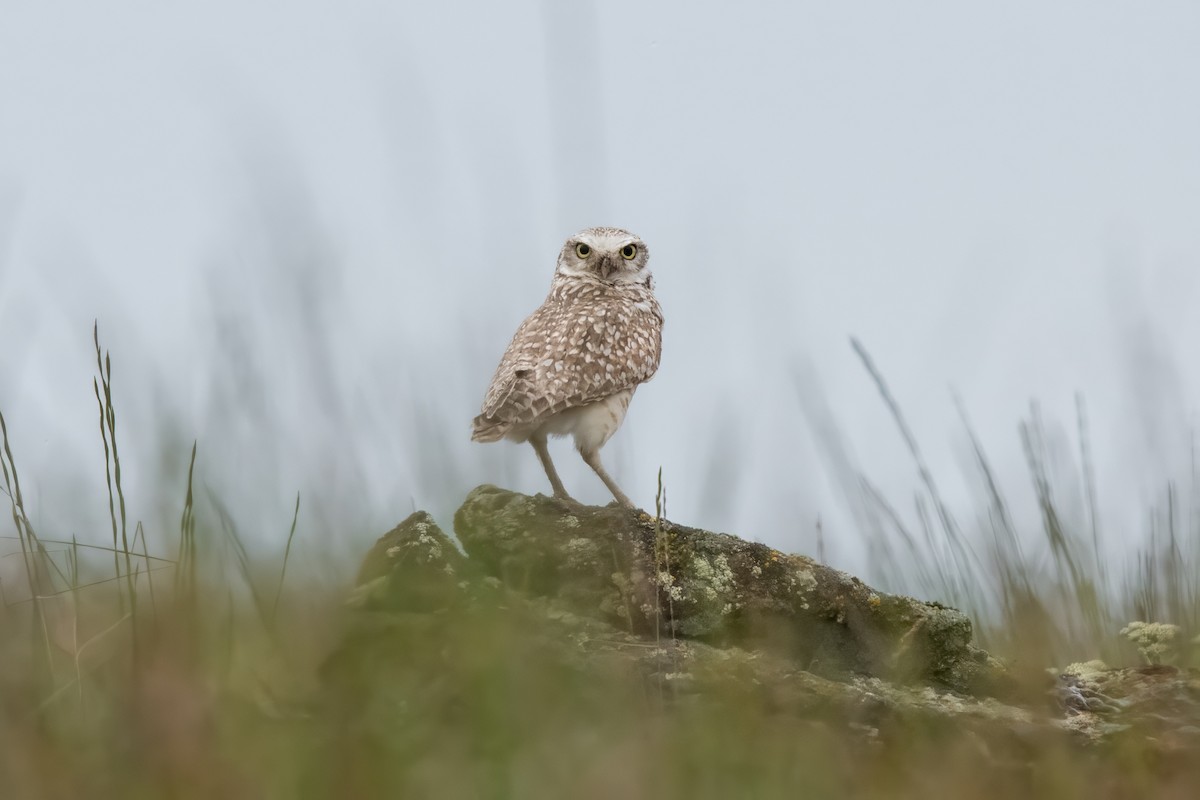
point(574, 363)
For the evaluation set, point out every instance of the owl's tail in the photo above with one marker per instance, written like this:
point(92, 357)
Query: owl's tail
point(488, 429)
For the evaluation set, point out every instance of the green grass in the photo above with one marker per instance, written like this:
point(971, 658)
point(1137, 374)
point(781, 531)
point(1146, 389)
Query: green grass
point(203, 673)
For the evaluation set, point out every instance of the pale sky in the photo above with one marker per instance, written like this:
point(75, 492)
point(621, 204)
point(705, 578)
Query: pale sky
point(308, 230)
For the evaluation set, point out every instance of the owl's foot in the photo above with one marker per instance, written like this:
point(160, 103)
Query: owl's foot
point(567, 502)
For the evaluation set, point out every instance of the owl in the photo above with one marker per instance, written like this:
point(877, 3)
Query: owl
point(574, 364)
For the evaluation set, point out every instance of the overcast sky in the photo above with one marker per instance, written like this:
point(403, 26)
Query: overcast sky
point(308, 230)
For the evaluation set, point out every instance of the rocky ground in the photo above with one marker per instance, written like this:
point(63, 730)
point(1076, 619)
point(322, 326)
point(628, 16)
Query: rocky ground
point(595, 607)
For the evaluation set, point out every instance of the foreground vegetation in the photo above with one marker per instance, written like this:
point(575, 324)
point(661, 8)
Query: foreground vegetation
point(135, 669)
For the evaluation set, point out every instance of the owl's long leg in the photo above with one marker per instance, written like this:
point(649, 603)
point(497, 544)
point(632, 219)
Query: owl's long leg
point(538, 440)
point(592, 459)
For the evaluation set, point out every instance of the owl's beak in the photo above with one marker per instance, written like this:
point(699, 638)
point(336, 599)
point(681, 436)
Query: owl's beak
point(609, 267)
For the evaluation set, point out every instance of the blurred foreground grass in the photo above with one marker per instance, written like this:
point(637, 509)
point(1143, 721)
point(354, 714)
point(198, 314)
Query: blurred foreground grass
point(130, 671)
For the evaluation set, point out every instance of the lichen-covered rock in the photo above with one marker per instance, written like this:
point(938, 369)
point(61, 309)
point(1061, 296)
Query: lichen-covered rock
point(564, 630)
point(1160, 701)
point(652, 576)
point(412, 567)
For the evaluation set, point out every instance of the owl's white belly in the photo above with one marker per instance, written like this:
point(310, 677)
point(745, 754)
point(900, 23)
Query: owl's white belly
point(591, 425)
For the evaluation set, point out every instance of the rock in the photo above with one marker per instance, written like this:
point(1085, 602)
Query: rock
point(1106, 704)
point(430, 630)
point(564, 634)
point(413, 567)
point(654, 577)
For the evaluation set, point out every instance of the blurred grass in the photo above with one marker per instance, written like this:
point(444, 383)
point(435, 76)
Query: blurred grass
point(1042, 600)
point(128, 674)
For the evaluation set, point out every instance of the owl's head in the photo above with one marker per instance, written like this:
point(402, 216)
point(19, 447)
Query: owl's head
point(607, 255)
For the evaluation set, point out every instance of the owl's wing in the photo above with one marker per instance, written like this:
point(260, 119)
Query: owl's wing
point(511, 400)
point(564, 356)
point(510, 397)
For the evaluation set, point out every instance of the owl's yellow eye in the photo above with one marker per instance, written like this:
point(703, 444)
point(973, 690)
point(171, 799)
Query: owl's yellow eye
point(628, 252)
point(582, 250)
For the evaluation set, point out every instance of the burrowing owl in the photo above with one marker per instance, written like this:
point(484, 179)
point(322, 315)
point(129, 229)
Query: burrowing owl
point(574, 364)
